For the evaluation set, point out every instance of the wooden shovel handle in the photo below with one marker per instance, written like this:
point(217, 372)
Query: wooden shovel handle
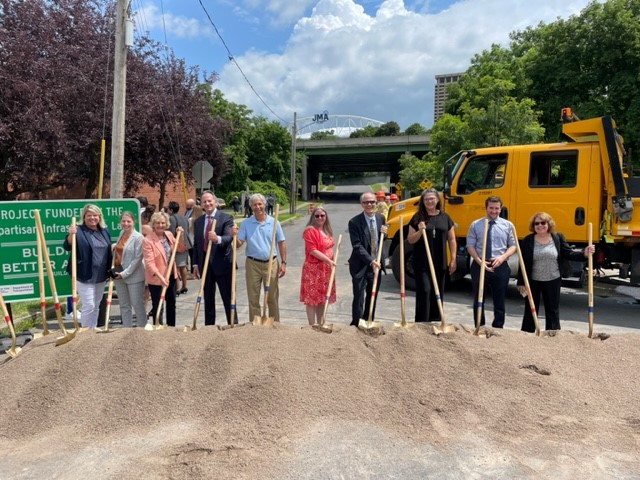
point(479, 305)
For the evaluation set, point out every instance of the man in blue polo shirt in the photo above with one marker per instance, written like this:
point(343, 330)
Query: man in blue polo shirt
point(256, 231)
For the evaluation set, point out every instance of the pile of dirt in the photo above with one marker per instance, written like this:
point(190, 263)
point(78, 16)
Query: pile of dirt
point(290, 402)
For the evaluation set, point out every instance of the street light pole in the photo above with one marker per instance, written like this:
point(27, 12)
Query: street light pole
point(119, 101)
point(292, 201)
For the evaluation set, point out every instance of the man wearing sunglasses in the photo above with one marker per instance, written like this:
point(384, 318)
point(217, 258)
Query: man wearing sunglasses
point(501, 244)
point(365, 231)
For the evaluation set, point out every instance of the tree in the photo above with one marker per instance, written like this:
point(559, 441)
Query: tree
point(169, 127)
point(323, 135)
point(415, 129)
point(55, 102)
point(368, 131)
point(52, 72)
point(589, 62)
point(389, 129)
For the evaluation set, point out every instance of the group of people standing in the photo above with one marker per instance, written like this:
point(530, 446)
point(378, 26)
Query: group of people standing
point(137, 262)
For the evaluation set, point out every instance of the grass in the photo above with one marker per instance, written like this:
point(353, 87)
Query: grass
point(26, 315)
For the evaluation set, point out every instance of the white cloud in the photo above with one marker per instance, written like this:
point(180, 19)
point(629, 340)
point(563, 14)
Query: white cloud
point(382, 66)
point(150, 17)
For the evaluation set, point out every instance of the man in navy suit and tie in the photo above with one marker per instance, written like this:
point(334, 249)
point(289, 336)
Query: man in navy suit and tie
point(364, 231)
point(219, 270)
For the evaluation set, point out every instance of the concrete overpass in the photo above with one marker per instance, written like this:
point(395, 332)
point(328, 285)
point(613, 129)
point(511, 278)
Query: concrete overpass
point(357, 155)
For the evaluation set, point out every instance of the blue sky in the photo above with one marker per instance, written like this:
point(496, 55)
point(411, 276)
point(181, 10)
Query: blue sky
point(371, 58)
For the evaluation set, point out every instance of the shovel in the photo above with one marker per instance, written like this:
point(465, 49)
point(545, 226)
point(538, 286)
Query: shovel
point(66, 336)
point(107, 313)
point(403, 320)
point(321, 326)
point(74, 277)
point(443, 328)
point(369, 324)
point(43, 302)
point(532, 305)
point(232, 307)
point(480, 299)
point(590, 280)
point(203, 276)
point(13, 351)
point(167, 274)
point(264, 320)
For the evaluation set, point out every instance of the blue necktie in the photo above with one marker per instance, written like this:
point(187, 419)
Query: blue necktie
point(489, 240)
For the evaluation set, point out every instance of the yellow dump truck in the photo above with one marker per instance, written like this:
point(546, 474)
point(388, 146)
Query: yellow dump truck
point(579, 181)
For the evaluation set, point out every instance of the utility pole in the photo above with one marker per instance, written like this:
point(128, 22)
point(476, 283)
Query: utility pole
point(119, 101)
point(292, 201)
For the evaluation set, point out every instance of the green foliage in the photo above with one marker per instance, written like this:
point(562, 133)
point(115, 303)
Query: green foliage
point(265, 187)
point(323, 135)
point(415, 129)
point(389, 129)
point(256, 148)
point(415, 170)
point(589, 62)
point(366, 132)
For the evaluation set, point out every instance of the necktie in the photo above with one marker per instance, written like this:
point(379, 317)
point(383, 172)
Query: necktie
point(374, 237)
point(206, 233)
point(489, 231)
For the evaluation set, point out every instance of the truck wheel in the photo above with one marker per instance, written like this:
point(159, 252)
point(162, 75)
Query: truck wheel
point(409, 278)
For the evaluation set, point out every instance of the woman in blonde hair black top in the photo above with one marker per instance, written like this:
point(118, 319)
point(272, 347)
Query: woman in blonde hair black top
point(93, 260)
point(543, 252)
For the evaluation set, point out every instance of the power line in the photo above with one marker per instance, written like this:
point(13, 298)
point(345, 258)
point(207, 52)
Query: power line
point(232, 59)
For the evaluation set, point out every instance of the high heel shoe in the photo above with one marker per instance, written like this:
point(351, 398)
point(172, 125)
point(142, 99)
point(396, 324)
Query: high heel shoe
point(183, 290)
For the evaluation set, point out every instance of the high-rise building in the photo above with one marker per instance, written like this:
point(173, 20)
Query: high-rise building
point(442, 82)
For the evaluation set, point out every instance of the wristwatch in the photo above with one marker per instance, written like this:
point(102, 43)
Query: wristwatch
point(284, 262)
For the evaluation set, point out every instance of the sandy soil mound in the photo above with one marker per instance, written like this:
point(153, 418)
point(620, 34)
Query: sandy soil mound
point(290, 402)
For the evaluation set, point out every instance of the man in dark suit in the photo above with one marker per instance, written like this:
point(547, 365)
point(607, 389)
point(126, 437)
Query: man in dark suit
point(219, 270)
point(364, 231)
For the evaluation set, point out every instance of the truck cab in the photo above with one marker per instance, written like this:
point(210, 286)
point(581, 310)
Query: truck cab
point(579, 181)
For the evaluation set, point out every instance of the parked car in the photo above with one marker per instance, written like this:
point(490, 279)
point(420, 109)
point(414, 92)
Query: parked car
point(221, 202)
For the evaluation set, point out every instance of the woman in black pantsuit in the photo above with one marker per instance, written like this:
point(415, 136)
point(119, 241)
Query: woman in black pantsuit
point(543, 252)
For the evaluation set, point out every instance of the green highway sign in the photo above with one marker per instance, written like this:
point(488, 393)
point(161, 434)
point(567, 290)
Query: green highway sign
point(18, 248)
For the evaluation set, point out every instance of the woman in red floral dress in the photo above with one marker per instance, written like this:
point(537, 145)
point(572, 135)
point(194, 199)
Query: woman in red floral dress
point(316, 269)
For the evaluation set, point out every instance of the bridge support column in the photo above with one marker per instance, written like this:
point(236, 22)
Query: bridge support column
point(304, 178)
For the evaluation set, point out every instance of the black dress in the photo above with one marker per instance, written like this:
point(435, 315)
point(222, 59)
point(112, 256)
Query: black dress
point(437, 230)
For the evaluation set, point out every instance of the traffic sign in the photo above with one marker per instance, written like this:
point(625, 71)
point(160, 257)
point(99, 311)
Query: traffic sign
point(202, 173)
point(425, 184)
point(18, 249)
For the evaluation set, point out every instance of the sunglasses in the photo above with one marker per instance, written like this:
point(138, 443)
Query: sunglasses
point(369, 202)
point(319, 215)
point(539, 223)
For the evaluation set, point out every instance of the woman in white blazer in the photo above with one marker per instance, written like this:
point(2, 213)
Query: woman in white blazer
point(128, 272)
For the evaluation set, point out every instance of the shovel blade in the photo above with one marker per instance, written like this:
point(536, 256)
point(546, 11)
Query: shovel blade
point(404, 324)
point(64, 339)
point(13, 351)
point(324, 328)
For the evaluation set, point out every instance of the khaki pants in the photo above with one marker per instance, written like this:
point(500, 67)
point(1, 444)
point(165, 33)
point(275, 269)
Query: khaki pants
point(256, 276)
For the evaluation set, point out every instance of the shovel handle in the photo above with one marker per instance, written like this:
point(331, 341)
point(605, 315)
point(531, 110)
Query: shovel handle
point(43, 302)
point(532, 305)
point(332, 277)
point(167, 275)
point(590, 280)
point(232, 307)
point(376, 272)
point(479, 300)
point(203, 277)
point(47, 262)
point(434, 279)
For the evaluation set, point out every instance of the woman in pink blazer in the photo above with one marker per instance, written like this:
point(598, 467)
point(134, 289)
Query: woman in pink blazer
point(156, 248)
